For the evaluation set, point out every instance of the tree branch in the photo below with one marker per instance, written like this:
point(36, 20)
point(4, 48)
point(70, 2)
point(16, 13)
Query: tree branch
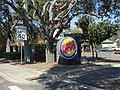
point(17, 10)
point(15, 23)
point(40, 16)
point(35, 7)
point(70, 8)
point(45, 7)
point(51, 10)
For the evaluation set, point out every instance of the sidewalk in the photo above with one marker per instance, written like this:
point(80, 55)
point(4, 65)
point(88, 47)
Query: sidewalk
point(19, 74)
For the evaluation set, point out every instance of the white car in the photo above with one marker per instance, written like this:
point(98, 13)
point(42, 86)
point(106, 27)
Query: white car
point(106, 49)
point(118, 48)
point(115, 48)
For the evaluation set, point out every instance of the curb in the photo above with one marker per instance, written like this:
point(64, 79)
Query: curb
point(27, 81)
point(11, 79)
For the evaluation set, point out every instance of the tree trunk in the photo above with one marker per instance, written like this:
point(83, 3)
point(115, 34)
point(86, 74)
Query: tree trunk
point(92, 52)
point(96, 54)
point(8, 45)
point(49, 56)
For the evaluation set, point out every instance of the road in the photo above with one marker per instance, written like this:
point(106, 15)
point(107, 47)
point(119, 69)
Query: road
point(109, 56)
point(105, 55)
point(6, 85)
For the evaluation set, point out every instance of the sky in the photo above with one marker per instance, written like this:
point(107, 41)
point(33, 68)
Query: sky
point(72, 23)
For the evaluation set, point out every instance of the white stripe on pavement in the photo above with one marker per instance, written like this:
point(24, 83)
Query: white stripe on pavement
point(14, 88)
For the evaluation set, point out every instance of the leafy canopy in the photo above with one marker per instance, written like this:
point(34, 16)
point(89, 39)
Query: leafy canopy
point(94, 32)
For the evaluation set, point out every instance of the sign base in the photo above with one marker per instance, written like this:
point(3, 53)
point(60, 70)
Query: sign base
point(73, 61)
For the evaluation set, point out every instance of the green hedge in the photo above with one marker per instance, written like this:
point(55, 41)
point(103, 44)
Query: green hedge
point(117, 52)
point(12, 55)
point(39, 54)
point(1, 54)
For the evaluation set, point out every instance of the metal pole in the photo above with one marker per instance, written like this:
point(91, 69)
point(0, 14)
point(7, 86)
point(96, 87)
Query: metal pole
point(21, 53)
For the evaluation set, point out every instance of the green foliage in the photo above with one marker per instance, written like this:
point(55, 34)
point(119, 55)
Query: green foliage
point(2, 43)
point(99, 8)
point(87, 5)
point(85, 22)
point(39, 54)
point(6, 21)
point(117, 52)
point(1, 53)
point(12, 55)
point(104, 30)
point(115, 37)
point(95, 33)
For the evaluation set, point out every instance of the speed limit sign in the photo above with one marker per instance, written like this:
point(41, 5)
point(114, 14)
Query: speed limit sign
point(21, 35)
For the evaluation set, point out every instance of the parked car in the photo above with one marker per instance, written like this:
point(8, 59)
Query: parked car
point(116, 48)
point(106, 49)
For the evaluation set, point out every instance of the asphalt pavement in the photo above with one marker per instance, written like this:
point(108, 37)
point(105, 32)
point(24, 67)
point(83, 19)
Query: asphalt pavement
point(109, 56)
point(6, 85)
point(106, 55)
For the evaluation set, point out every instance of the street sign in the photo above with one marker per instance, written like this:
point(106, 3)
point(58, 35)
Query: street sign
point(21, 33)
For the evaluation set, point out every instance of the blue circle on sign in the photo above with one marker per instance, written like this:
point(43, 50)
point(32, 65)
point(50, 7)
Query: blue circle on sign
point(67, 48)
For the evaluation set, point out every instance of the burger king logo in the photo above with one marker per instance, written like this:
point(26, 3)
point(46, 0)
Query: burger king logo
point(67, 47)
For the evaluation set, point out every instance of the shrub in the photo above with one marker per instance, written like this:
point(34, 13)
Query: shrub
point(12, 55)
point(37, 53)
point(117, 52)
point(1, 54)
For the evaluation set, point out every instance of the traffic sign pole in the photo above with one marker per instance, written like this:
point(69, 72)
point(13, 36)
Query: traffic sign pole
point(22, 35)
point(21, 53)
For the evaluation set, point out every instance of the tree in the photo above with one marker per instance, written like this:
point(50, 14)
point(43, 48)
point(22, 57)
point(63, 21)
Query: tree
point(115, 37)
point(95, 33)
point(57, 14)
point(6, 25)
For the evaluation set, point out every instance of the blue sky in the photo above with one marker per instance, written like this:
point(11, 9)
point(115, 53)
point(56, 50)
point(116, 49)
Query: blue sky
point(72, 23)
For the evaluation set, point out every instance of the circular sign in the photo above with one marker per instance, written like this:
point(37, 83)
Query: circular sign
point(67, 47)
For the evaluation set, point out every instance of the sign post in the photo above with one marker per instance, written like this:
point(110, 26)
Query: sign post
point(21, 53)
point(21, 34)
